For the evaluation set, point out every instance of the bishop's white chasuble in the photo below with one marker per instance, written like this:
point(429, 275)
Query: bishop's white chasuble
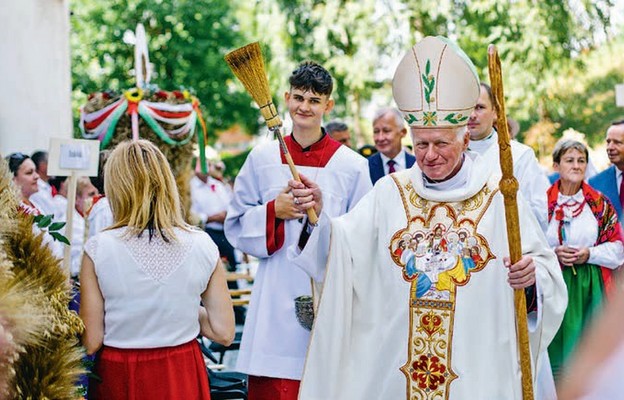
point(416, 303)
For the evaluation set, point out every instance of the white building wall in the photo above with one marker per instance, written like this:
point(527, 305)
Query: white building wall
point(35, 80)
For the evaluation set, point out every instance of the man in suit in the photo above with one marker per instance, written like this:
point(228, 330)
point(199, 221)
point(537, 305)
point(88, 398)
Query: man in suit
point(609, 181)
point(388, 130)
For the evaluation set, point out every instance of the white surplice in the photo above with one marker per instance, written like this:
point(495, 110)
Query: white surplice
point(532, 180)
point(273, 343)
point(360, 340)
point(99, 217)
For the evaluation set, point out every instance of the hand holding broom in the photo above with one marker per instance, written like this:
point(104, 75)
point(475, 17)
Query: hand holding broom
point(248, 66)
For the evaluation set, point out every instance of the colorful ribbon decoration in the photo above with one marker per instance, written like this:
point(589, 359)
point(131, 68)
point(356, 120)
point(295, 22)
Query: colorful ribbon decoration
point(183, 118)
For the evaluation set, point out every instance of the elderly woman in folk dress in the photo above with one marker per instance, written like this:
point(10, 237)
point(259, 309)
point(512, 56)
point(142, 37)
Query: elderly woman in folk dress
point(584, 232)
point(142, 280)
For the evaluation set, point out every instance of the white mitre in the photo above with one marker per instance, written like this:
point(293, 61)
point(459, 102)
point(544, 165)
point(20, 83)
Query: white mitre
point(435, 84)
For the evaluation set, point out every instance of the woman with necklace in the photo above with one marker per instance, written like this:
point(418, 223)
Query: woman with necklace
point(583, 231)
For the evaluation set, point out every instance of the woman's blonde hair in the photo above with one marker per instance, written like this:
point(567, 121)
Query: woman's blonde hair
point(141, 190)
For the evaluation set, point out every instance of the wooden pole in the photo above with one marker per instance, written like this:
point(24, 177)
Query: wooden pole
point(509, 189)
point(69, 224)
point(312, 217)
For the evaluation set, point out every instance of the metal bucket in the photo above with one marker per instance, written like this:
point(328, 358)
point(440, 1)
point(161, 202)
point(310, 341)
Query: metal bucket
point(304, 309)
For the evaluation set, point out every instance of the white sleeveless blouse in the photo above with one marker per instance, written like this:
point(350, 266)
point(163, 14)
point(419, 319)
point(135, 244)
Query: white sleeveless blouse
point(151, 289)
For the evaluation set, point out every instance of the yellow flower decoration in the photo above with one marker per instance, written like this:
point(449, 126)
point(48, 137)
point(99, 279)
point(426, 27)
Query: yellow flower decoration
point(134, 95)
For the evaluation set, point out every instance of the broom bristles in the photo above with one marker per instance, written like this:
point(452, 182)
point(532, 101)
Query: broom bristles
point(248, 66)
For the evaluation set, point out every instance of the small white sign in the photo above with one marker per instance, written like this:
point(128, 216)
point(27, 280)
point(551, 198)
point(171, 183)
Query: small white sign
point(74, 156)
point(619, 95)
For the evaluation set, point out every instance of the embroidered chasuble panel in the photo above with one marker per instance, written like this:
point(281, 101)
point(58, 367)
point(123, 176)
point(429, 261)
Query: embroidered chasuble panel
point(438, 252)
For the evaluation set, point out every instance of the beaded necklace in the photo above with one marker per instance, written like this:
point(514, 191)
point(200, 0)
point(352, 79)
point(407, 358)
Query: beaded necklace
point(565, 212)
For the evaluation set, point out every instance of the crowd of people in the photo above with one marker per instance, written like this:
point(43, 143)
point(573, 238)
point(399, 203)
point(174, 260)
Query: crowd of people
point(407, 267)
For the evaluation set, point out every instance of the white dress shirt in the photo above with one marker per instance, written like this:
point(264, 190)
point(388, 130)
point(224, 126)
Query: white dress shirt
point(399, 162)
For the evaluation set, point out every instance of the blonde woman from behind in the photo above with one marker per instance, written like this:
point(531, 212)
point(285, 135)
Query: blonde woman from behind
point(142, 280)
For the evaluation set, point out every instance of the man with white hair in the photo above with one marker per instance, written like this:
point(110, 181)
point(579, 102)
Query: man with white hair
point(439, 322)
point(388, 132)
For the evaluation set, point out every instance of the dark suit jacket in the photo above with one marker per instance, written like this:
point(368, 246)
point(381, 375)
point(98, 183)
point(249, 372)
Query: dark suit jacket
point(376, 168)
point(606, 183)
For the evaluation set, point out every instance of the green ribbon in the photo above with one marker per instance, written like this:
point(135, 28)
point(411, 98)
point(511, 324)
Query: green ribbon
point(111, 128)
point(160, 132)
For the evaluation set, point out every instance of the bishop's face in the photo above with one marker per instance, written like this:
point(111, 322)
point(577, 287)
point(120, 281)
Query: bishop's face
point(439, 151)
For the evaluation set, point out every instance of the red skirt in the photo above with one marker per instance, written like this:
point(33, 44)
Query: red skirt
point(169, 373)
point(265, 388)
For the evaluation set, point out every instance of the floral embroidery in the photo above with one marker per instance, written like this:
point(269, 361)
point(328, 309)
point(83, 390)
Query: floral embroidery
point(430, 118)
point(455, 118)
point(410, 119)
point(438, 252)
point(429, 372)
point(428, 83)
point(431, 323)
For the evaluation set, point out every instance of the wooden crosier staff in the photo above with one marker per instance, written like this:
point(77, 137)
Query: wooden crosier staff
point(248, 66)
point(509, 188)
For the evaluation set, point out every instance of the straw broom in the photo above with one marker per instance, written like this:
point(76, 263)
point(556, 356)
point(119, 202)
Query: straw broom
point(248, 66)
point(509, 188)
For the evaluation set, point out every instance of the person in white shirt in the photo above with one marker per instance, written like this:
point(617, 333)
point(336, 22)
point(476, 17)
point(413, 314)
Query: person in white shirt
point(484, 139)
point(263, 221)
point(142, 281)
point(432, 323)
point(42, 199)
point(25, 177)
point(210, 198)
point(84, 189)
point(584, 233)
point(99, 215)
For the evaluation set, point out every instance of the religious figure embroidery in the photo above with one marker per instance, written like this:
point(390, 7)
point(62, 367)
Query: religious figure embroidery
point(439, 251)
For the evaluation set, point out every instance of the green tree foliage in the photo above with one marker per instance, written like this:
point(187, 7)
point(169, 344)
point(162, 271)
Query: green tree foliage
point(544, 47)
point(336, 33)
point(536, 39)
point(187, 40)
point(582, 95)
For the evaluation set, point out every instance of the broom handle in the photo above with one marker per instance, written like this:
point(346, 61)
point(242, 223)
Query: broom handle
point(312, 217)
